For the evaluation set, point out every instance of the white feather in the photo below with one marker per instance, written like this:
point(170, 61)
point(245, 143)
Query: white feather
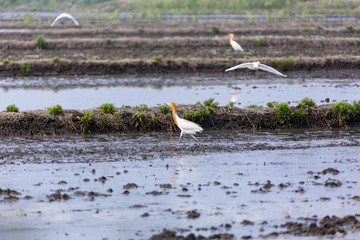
point(188, 127)
point(243, 65)
point(65, 15)
point(236, 46)
point(270, 69)
point(255, 66)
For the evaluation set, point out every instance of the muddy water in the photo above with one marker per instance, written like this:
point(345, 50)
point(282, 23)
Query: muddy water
point(83, 93)
point(132, 187)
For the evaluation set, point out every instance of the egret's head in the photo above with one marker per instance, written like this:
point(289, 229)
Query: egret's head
point(172, 105)
point(231, 35)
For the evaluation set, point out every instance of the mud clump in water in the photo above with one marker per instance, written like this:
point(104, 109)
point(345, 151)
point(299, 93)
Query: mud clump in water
point(192, 214)
point(171, 235)
point(333, 171)
point(130, 186)
point(58, 196)
point(331, 183)
point(328, 226)
point(10, 195)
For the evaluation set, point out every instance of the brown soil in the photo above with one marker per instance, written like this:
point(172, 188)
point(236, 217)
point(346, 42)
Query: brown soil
point(40, 122)
point(171, 235)
point(328, 226)
point(184, 47)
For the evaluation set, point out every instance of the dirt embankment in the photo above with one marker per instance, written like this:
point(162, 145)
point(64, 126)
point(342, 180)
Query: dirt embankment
point(135, 119)
point(47, 67)
point(139, 48)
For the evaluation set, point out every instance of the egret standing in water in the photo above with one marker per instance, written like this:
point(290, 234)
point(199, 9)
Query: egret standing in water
point(185, 126)
point(234, 44)
point(255, 66)
point(65, 15)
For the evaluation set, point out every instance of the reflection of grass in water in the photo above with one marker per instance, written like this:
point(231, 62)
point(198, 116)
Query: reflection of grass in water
point(157, 87)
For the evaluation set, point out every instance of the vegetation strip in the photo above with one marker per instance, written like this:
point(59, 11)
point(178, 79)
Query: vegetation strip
point(108, 119)
point(55, 67)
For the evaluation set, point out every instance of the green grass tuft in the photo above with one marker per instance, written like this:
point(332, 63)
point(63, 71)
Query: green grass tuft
point(25, 68)
point(12, 108)
point(107, 108)
point(284, 113)
point(157, 59)
point(108, 41)
point(306, 102)
point(198, 115)
point(138, 116)
point(164, 109)
point(210, 103)
point(343, 109)
point(41, 42)
point(270, 104)
point(56, 110)
point(87, 122)
point(143, 107)
point(306, 30)
point(215, 29)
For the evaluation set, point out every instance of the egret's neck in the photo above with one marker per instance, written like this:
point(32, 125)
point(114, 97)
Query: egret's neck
point(175, 116)
point(231, 38)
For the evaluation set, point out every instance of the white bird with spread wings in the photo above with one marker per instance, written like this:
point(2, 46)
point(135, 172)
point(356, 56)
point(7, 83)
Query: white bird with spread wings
point(64, 15)
point(255, 66)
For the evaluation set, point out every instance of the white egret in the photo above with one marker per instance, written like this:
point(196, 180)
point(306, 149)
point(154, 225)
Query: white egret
point(65, 15)
point(234, 44)
point(255, 66)
point(186, 126)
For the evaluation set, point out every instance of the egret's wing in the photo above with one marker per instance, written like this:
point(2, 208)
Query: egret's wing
point(188, 126)
point(243, 65)
point(270, 69)
point(236, 46)
point(235, 97)
point(65, 15)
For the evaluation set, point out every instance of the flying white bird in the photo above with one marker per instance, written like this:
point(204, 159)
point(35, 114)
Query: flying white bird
point(185, 126)
point(234, 44)
point(65, 15)
point(255, 66)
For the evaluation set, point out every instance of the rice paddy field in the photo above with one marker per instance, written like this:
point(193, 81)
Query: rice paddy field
point(273, 165)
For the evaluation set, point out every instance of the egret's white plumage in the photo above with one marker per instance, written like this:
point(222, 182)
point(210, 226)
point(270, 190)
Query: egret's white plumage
point(234, 44)
point(65, 15)
point(255, 66)
point(186, 126)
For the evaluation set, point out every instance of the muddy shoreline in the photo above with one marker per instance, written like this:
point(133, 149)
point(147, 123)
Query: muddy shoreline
point(42, 123)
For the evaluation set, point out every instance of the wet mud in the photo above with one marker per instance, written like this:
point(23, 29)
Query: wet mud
point(268, 185)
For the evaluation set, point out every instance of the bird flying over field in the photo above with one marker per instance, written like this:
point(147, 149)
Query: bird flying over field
point(65, 15)
point(255, 66)
point(186, 126)
point(234, 44)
